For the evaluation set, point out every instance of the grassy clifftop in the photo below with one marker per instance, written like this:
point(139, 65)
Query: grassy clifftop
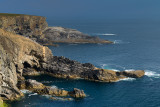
point(7, 14)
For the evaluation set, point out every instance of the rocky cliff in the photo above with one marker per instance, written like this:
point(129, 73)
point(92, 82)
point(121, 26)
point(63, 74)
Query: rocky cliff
point(26, 25)
point(36, 28)
point(21, 56)
point(16, 52)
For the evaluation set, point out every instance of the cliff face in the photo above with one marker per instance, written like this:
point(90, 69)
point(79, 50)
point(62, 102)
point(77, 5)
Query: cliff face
point(26, 25)
point(17, 52)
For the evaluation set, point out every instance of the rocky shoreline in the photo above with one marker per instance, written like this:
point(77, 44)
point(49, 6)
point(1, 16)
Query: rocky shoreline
point(20, 56)
point(37, 29)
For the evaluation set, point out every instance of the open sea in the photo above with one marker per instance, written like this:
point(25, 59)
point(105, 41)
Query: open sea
point(136, 46)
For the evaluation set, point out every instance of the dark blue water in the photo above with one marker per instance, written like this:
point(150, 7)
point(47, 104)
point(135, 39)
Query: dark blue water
point(136, 47)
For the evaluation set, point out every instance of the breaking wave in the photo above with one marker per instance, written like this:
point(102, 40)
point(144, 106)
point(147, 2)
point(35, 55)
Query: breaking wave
point(127, 79)
point(150, 73)
point(32, 94)
point(106, 34)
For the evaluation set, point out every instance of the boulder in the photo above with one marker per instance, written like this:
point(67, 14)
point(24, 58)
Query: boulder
point(132, 74)
point(77, 93)
point(33, 84)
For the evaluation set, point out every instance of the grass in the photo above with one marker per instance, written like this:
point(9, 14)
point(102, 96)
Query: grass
point(7, 14)
point(4, 105)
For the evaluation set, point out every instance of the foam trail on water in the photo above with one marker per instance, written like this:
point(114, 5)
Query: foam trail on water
point(32, 94)
point(120, 42)
point(127, 79)
point(106, 34)
point(150, 73)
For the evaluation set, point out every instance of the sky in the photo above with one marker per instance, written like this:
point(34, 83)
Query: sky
point(84, 9)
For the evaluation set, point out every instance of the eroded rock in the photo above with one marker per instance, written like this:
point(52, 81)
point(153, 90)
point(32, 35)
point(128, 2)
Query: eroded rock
point(77, 93)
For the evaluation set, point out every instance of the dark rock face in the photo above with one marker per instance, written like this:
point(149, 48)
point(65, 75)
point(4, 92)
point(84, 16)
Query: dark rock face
point(65, 35)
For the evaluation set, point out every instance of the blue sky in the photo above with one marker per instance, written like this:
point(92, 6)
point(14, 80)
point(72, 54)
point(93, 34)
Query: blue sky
point(84, 9)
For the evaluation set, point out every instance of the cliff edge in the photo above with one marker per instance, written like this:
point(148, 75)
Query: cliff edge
point(36, 28)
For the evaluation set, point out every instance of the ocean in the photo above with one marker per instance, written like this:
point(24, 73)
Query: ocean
point(136, 46)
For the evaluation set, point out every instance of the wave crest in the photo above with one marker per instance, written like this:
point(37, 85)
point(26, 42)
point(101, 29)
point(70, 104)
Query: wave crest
point(127, 79)
point(150, 73)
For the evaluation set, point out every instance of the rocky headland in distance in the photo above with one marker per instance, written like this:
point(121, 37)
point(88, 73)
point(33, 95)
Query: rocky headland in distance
point(37, 29)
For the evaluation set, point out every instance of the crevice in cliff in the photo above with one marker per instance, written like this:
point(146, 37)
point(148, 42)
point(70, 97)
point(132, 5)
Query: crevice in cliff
point(26, 65)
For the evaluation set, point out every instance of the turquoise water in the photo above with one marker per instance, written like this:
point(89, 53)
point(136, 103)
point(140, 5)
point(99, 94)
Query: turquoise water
point(136, 47)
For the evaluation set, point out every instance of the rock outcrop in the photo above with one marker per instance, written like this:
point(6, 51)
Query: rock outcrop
point(17, 53)
point(36, 28)
point(65, 35)
point(21, 56)
point(41, 89)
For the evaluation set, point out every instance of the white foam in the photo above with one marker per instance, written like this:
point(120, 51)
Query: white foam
point(129, 70)
point(127, 79)
point(32, 94)
point(150, 73)
point(25, 91)
point(107, 34)
point(120, 42)
point(115, 70)
point(53, 86)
